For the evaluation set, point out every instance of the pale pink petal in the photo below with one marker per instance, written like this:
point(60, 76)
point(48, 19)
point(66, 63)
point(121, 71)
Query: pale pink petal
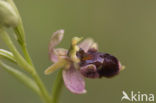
point(55, 54)
point(88, 44)
point(74, 81)
point(89, 71)
point(55, 40)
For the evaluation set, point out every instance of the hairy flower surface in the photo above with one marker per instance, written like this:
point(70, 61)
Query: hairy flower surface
point(81, 60)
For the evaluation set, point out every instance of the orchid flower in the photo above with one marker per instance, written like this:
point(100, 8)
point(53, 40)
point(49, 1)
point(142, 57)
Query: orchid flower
point(81, 60)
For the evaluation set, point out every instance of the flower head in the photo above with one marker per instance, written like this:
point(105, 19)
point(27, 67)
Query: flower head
point(81, 60)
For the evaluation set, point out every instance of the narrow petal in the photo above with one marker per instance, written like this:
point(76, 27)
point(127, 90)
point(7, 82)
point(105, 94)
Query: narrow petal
point(89, 71)
point(60, 64)
point(74, 81)
point(61, 51)
point(55, 40)
point(88, 44)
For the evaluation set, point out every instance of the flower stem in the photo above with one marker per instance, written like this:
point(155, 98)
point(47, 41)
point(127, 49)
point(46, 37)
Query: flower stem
point(19, 30)
point(20, 60)
point(40, 84)
point(57, 87)
point(26, 54)
point(25, 65)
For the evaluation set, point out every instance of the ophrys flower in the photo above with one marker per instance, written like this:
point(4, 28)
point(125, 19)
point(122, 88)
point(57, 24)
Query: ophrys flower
point(81, 60)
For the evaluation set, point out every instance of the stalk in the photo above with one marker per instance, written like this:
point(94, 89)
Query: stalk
point(57, 87)
point(25, 65)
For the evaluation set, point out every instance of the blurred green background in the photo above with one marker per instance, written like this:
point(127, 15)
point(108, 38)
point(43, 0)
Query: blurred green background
point(124, 28)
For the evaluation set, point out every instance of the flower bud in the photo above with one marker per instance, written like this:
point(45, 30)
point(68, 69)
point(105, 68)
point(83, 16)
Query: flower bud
point(8, 16)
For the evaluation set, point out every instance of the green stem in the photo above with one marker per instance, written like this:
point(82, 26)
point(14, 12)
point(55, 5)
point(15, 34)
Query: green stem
point(40, 84)
point(20, 60)
point(26, 54)
point(25, 65)
point(19, 30)
point(57, 87)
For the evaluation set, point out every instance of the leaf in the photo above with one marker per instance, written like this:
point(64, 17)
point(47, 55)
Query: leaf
point(21, 77)
point(7, 55)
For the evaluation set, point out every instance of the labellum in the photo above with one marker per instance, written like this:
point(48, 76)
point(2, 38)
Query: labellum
point(94, 64)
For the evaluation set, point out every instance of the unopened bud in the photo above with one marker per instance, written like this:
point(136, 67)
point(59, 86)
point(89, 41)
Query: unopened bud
point(8, 16)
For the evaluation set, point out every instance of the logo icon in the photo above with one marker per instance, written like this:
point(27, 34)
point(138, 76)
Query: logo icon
point(125, 96)
point(138, 96)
